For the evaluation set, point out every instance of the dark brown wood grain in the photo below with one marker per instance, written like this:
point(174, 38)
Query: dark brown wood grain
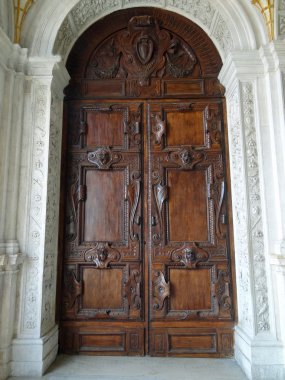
point(146, 265)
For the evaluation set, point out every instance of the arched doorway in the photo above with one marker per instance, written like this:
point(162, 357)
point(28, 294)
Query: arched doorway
point(147, 261)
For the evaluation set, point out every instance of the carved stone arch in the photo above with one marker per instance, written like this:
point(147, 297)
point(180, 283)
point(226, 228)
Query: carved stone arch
point(53, 27)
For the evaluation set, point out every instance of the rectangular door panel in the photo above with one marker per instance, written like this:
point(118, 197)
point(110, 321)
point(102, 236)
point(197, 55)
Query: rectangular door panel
point(104, 206)
point(190, 289)
point(177, 134)
point(188, 205)
point(102, 289)
point(105, 127)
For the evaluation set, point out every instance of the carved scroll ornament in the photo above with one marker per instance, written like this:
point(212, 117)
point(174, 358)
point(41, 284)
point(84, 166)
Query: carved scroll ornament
point(132, 290)
point(158, 128)
point(161, 290)
point(102, 255)
point(72, 290)
point(133, 191)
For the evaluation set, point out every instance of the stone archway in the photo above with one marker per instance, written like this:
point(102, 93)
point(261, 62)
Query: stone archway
point(231, 26)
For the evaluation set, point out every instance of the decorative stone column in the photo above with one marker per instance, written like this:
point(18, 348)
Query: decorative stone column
point(12, 78)
point(259, 350)
point(35, 346)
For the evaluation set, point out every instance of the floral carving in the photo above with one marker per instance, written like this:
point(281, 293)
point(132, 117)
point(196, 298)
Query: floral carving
point(102, 255)
point(256, 223)
point(223, 35)
point(240, 207)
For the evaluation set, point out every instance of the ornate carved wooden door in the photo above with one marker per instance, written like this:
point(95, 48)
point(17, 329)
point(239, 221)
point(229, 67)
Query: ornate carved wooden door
point(146, 257)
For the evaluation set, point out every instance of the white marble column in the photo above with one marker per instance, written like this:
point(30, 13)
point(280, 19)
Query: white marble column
point(258, 348)
point(36, 342)
point(12, 78)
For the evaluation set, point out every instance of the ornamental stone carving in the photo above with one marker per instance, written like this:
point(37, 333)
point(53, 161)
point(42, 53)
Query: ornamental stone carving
point(240, 207)
point(256, 224)
point(52, 215)
point(281, 19)
point(88, 11)
point(32, 286)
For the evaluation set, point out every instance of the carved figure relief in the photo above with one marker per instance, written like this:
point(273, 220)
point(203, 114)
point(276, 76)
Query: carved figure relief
point(103, 157)
point(187, 157)
point(102, 255)
point(190, 255)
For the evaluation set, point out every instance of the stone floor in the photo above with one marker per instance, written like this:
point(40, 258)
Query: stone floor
point(146, 368)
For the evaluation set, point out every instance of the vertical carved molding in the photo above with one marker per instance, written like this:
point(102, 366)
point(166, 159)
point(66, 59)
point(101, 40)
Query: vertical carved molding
point(239, 211)
point(32, 287)
point(255, 209)
point(52, 215)
point(249, 231)
point(281, 19)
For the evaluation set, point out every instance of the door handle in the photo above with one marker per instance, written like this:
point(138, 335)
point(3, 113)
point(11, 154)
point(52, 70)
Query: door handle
point(153, 221)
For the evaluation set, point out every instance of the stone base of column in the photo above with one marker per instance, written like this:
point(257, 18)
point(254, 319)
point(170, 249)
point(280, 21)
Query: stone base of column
point(262, 358)
point(32, 357)
point(5, 365)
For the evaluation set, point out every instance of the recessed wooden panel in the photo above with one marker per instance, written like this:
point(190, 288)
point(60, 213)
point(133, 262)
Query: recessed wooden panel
point(102, 288)
point(104, 206)
point(188, 219)
point(185, 128)
point(191, 342)
point(102, 88)
point(190, 289)
point(105, 128)
point(102, 342)
point(183, 88)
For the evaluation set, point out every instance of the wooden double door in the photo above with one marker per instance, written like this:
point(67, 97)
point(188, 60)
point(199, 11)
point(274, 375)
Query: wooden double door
point(146, 266)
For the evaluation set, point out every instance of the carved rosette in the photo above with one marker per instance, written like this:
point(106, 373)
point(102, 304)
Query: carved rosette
point(103, 157)
point(102, 255)
point(161, 290)
point(187, 157)
point(190, 255)
point(132, 290)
